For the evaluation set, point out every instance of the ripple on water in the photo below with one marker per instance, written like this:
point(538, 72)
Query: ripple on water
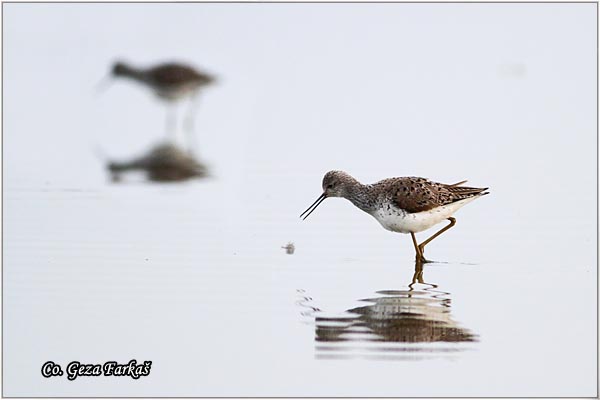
point(395, 325)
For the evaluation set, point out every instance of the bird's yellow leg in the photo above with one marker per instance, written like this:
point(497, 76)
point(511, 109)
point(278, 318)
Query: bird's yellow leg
point(444, 229)
point(419, 256)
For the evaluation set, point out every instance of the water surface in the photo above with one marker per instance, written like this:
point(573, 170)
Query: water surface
point(193, 277)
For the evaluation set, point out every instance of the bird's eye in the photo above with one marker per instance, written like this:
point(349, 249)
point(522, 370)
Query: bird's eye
point(330, 186)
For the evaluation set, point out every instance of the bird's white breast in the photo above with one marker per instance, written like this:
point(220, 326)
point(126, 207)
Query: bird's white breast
point(177, 91)
point(397, 220)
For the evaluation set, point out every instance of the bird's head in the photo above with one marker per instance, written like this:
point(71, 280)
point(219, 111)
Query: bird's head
point(335, 184)
point(120, 69)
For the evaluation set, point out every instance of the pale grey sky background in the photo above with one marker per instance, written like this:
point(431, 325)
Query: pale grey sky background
point(503, 95)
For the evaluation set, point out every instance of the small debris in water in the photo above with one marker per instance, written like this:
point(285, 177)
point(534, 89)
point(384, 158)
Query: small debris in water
point(289, 248)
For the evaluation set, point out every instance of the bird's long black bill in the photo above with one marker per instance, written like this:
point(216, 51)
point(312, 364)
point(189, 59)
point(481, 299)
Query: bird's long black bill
point(103, 84)
point(314, 206)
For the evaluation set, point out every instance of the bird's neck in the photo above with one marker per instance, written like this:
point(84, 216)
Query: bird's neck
point(360, 196)
point(132, 73)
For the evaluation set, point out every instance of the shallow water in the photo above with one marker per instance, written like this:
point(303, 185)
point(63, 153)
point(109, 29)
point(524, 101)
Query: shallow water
point(193, 276)
point(149, 272)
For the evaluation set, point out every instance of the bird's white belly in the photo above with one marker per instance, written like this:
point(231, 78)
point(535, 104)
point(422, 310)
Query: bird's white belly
point(176, 92)
point(397, 220)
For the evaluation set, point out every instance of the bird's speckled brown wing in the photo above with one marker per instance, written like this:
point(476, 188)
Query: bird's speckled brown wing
point(419, 194)
point(175, 74)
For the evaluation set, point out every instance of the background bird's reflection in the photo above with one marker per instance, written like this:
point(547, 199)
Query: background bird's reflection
point(165, 162)
point(396, 324)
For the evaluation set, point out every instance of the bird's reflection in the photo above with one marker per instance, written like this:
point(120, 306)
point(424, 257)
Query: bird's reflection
point(413, 321)
point(163, 163)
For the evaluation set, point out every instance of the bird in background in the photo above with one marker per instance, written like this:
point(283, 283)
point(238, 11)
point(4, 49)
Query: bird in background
point(405, 205)
point(171, 82)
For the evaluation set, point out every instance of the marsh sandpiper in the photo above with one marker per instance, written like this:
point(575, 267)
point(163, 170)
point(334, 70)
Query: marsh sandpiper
point(405, 205)
point(170, 82)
